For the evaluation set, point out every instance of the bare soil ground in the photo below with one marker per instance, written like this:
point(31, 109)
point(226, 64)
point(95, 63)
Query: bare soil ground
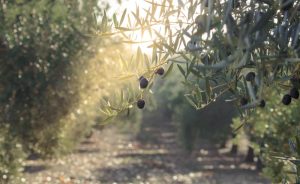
point(153, 156)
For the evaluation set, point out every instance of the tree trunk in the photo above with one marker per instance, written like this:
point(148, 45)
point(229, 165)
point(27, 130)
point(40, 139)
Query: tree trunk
point(223, 144)
point(259, 165)
point(234, 149)
point(250, 155)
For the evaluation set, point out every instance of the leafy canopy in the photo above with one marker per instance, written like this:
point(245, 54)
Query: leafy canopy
point(215, 45)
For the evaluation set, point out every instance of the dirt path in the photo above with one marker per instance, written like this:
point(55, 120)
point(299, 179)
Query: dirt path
point(151, 157)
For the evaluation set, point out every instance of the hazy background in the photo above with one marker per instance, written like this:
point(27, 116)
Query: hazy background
point(55, 75)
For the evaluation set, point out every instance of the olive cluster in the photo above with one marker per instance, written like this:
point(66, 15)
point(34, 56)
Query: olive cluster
point(286, 99)
point(144, 84)
point(250, 77)
point(293, 93)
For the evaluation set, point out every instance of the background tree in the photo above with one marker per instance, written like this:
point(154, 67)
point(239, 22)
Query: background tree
point(53, 75)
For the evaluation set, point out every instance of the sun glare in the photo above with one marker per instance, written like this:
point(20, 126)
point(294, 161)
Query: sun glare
point(139, 39)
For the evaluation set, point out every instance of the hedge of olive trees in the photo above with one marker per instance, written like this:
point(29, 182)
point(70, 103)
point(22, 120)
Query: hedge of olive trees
point(43, 46)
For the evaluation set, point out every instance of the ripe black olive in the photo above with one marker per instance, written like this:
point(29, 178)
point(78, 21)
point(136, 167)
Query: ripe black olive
point(160, 71)
point(286, 100)
point(262, 103)
point(141, 103)
point(243, 101)
point(294, 93)
point(250, 76)
point(143, 82)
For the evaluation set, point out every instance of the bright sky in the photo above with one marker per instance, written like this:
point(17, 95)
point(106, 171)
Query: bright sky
point(131, 5)
point(127, 4)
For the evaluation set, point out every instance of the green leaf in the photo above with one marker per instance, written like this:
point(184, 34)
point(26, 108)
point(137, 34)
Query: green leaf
point(176, 43)
point(123, 16)
point(181, 70)
point(158, 34)
point(168, 71)
point(124, 63)
point(147, 62)
point(238, 128)
point(199, 95)
point(154, 54)
point(164, 58)
point(137, 18)
point(196, 73)
point(139, 56)
point(190, 100)
point(208, 88)
point(171, 13)
point(191, 66)
point(103, 26)
point(154, 8)
point(170, 49)
point(191, 10)
point(124, 29)
point(121, 96)
point(185, 57)
point(124, 77)
point(115, 20)
point(163, 7)
point(106, 120)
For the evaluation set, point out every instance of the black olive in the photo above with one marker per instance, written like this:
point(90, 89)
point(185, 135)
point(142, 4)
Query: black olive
point(243, 101)
point(262, 103)
point(286, 100)
point(160, 71)
point(141, 103)
point(294, 93)
point(250, 76)
point(143, 82)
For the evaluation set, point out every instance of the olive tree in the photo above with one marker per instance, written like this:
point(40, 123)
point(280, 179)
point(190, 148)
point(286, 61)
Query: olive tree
point(41, 44)
point(244, 48)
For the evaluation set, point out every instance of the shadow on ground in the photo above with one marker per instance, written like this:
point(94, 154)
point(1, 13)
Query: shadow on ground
point(157, 157)
point(34, 168)
point(152, 156)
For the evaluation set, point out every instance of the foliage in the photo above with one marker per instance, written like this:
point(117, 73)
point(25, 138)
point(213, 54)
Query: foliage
point(192, 124)
point(11, 156)
point(225, 43)
point(274, 133)
point(40, 40)
point(51, 73)
point(241, 48)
